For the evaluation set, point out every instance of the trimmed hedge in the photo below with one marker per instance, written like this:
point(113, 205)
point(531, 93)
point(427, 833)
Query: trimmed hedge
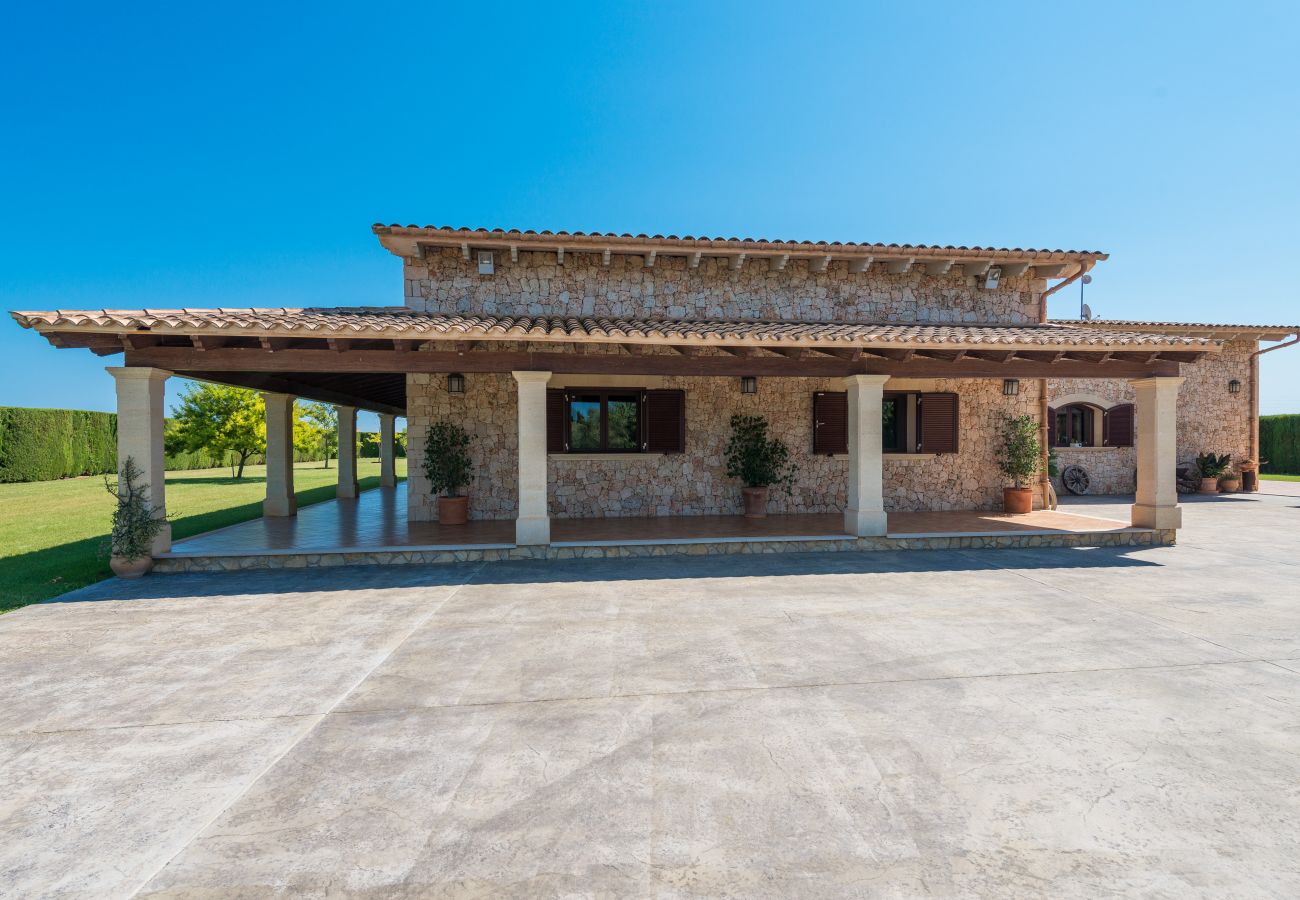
point(45, 444)
point(1279, 443)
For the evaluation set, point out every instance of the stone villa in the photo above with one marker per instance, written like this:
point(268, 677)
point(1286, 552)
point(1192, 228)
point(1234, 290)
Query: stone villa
point(885, 368)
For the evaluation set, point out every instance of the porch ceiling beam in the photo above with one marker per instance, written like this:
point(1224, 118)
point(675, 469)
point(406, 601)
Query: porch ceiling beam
point(777, 263)
point(273, 345)
point(899, 266)
point(819, 263)
point(281, 384)
point(338, 345)
point(938, 266)
point(406, 346)
point(861, 264)
point(138, 341)
point(207, 342)
point(180, 359)
point(791, 352)
point(737, 262)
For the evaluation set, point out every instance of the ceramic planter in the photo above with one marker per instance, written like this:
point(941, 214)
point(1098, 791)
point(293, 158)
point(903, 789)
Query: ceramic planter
point(453, 510)
point(1209, 486)
point(1230, 485)
point(130, 568)
point(1018, 500)
point(755, 502)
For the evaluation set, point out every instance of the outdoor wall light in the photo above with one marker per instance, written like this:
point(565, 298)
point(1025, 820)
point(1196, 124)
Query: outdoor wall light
point(456, 383)
point(1234, 386)
point(1010, 387)
point(749, 385)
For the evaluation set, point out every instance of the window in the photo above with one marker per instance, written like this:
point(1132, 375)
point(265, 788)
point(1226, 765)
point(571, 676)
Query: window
point(1075, 426)
point(910, 423)
point(615, 420)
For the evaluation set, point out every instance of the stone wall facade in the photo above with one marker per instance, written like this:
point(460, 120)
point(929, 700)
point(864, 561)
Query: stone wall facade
point(1210, 418)
point(695, 482)
point(536, 285)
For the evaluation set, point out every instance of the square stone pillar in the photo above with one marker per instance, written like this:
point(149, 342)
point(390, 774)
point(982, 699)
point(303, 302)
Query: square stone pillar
point(347, 488)
point(533, 525)
point(387, 470)
point(1156, 446)
point(140, 435)
point(865, 514)
point(280, 499)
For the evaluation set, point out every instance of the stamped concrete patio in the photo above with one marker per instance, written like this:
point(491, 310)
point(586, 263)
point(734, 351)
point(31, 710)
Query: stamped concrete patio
point(1061, 723)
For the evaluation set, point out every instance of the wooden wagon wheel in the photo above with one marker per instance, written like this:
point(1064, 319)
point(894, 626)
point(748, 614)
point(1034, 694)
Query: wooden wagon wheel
point(1076, 480)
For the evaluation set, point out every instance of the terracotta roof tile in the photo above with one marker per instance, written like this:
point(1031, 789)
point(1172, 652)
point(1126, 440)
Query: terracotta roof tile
point(400, 322)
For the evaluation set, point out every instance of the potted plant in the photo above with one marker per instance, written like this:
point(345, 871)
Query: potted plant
point(1019, 457)
point(1230, 483)
point(1211, 467)
point(446, 465)
point(135, 525)
point(759, 461)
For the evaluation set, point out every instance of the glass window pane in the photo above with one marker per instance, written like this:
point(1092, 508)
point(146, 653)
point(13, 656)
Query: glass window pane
point(624, 429)
point(889, 427)
point(584, 422)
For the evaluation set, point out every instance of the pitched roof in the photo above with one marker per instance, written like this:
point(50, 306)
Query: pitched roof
point(1190, 329)
point(402, 239)
point(401, 322)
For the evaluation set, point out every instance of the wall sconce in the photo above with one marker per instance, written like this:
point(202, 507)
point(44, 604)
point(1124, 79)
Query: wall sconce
point(1010, 387)
point(1234, 386)
point(456, 383)
point(749, 385)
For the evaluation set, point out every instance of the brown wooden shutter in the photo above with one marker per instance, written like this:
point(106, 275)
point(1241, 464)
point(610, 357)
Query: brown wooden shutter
point(555, 412)
point(1051, 426)
point(938, 423)
point(830, 422)
point(1117, 426)
point(665, 421)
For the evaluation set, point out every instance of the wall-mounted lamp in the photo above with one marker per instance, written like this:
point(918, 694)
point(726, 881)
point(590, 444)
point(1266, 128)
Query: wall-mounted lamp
point(455, 383)
point(1010, 387)
point(748, 384)
point(991, 277)
point(1234, 386)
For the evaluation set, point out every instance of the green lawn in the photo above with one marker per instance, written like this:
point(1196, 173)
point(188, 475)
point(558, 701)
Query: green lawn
point(1267, 477)
point(51, 531)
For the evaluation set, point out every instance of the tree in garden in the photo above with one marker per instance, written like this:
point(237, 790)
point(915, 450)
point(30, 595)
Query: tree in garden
point(319, 423)
point(220, 419)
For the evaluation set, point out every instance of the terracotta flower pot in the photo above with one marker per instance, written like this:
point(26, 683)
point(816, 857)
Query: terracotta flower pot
point(1018, 500)
point(1230, 485)
point(755, 502)
point(453, 510)
point(130, 568)
point(1209, 486)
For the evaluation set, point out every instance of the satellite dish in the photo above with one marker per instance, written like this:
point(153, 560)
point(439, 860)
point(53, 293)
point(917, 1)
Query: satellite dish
point(1087, 313)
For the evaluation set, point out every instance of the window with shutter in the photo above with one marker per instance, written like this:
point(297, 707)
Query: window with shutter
point(938, 419)
point(1117, 426)
point(830, 422)
point(665, 421)
point(555, 415)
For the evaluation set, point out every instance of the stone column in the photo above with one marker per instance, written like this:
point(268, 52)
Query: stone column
point(865, 515)
point(280, 499)
point(140, 435)
point(387, 472)
point(347, 488)
point(533, 525)
point(1156, 446)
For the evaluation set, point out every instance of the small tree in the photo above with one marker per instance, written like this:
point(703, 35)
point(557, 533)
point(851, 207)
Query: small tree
point(135, 521)
point(446, 459)
point(1021, 455)
point(757, 459)
point(220, 419)
point(320, 423)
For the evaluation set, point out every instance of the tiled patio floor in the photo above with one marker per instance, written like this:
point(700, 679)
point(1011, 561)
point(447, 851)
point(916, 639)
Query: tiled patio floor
point(377, 520)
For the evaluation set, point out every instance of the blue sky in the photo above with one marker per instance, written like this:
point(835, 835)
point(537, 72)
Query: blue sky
point(188, 155)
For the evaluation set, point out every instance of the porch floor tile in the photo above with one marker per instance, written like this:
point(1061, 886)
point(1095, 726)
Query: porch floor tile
point(377, 521)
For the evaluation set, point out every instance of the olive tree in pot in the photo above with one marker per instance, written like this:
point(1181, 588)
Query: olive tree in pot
point(135, 525)
point(446, 465)
point(1019, 458)
point(1211, 467)
point(759, 461)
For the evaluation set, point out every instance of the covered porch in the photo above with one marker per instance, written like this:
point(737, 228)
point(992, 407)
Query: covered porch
point(389, 361)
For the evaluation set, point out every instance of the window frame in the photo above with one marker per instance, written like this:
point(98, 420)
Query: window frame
point(1087, 425)
point(570, 393)
point(903, 404)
